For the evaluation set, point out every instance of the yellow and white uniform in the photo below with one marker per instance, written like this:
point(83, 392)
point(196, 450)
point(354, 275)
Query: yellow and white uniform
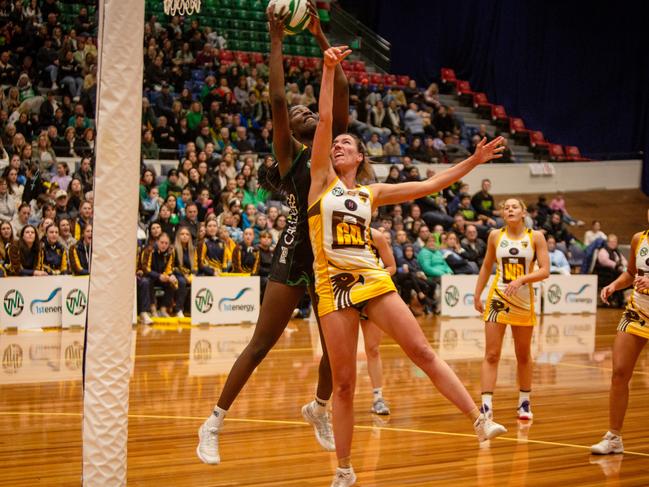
point(635, 319)
point(347, 271)
point(514, 259)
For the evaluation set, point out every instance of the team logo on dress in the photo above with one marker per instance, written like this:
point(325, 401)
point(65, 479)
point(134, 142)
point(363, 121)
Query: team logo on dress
point(351, 205)
point(643, 251)
point(504, 244)
point(524, 243)
point(337, 191)
point(554, 294)
point(514, 251)
point(647, 261)
point(452, 296)
point(363, 196)
point(342, 285)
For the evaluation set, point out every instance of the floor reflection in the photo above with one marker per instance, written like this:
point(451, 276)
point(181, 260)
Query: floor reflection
point(213, 350)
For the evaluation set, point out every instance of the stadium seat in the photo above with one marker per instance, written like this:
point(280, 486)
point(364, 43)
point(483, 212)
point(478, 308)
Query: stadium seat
point(464, 92)
point(347, 66)
point(518, 130)
point(312, 62)
point(375, 78)
point(359, 66)
point(481, 104)
point(499, 116)
point(403, 80)
point(556, 152)
point(538, 143)
point(390, 80)
point(449, 81)
point(574, 154)
point(256, 58)
point(242, 57)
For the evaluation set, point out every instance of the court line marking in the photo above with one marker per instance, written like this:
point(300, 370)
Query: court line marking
point(281, 422)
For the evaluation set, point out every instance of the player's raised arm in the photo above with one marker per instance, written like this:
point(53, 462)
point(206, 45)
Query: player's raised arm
point(390, 194)
point(285, 147)
point(341, 85)
point(321, 167)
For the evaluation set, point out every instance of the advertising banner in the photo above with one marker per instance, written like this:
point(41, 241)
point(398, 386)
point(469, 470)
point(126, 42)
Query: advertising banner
point(457, 295)
point(213, 350)
point(225, 300)
point(570, 294)
point(74, 300)
point(30, 303)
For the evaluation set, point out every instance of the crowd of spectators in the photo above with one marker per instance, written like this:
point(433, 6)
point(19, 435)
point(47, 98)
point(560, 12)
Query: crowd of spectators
point(207, 215)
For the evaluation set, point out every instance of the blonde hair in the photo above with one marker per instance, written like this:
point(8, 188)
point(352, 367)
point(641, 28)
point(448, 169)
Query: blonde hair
point(178, 247)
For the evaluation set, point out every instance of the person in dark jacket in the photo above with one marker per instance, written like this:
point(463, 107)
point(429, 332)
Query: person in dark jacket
point(25, 254)
point(246, 256)
point(156, 264)
point(81, 252)
point(54, 257)
point(410, 277)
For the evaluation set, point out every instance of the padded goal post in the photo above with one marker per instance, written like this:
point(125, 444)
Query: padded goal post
point(110, 304)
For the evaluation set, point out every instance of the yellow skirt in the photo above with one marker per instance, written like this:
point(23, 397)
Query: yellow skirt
point(347, 288)
point(634, 321)
point(509, 310)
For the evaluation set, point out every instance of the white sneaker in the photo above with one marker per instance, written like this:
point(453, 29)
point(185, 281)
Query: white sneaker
point(163, 313)
point(208, 444)
point(145, 318)
point(180, 314)
point(344, 477)
point(322, 426)
point(380, 407)
point(487, 411)
point(524, 411)
point(487, 429)
point(610, 444)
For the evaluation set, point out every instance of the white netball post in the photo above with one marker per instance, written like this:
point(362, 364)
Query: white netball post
point(108, 345)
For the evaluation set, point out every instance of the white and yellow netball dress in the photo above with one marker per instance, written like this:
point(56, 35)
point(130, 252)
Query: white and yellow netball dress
point(635, 319)
point(347, 271)
point(514, 259)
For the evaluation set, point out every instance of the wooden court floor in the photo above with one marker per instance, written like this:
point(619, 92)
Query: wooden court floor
point(178, 373)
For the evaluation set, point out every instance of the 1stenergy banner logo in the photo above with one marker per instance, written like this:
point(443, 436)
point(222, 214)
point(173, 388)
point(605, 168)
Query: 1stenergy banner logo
point(225, 300)
point(30, 303)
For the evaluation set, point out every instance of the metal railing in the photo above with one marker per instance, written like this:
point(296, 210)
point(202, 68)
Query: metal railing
point(367, 42)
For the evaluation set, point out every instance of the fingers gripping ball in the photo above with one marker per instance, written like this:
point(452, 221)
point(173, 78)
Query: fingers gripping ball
point(296, 14)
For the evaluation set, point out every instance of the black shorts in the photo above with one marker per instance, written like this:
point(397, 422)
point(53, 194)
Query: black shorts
point(293, 260)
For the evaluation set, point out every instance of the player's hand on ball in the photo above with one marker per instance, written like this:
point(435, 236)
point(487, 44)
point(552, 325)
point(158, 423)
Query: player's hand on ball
point(335, 55)
point(485, 152)
point(314, 25)
point(276, 22)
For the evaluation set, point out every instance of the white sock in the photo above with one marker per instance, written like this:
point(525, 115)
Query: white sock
point(216, 418)
point(487, 398)
point(320, 405)
point(377, 393)
point(523, 396)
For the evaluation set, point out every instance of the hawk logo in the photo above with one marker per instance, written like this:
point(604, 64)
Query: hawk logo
point(524, 243)
point(337, 191)
point(342, 285)
point(496, 307)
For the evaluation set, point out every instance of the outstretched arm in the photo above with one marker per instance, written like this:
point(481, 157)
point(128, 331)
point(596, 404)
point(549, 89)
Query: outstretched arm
point(285, 147)
point(320, 164)
point(391, 194)
point(341, 86)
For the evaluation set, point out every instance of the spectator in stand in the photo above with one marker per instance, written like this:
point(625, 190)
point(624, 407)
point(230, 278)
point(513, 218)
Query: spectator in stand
point(81, 253)
point(265, 259)
point(7, 202)
point(25, 258)
point(374, 147)
point(484, 204)
point(475, 248)
point(167, 220)
point(170, 185)
point(65, 234)
point(246, 256)
point(54, 256)
point(456, 256)
point(557, 229)
point(62, 176)
point(66, 146)
point(610, 264)
point(532, 219)
point(190, 221)
point(558, 203)
point(185, 267)
point(392, 148)
point(413, 122)
point(157, 267)
point(594, 233)
point(558, 262)
point(21, 218)
point(507, 155)
point(278, 227)
point(146, 183)
point(44, 155)
point(150, 149)
point(85, 146)
point(212, 255)
point(432, 261)
point(411, 279)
